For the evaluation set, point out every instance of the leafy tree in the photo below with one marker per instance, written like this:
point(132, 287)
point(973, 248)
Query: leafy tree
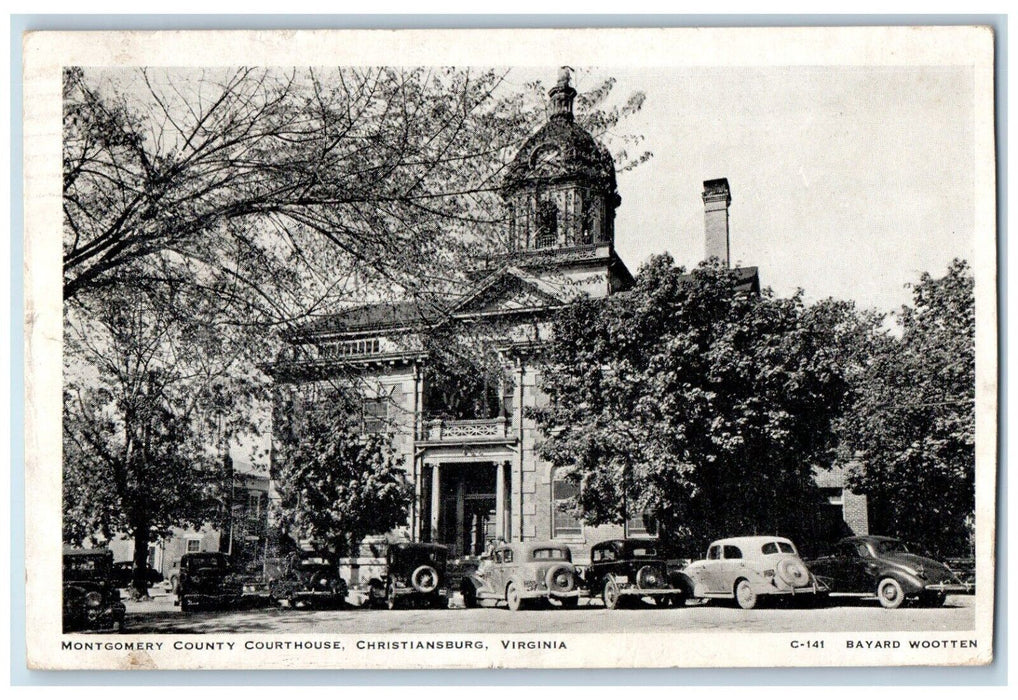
point(337, 485)
point(693, 400)
point(464, 375)
point(151, 402)
point(912, 424)
point(207, 212)
point(391, 174)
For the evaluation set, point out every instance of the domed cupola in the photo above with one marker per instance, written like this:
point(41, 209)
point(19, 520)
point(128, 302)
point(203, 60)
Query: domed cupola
point(561, 188)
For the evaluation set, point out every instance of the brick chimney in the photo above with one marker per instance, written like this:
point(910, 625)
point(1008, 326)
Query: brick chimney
point(716, 198)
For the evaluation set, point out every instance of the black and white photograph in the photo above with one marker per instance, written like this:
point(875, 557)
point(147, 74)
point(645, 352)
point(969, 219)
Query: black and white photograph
point(516, 348)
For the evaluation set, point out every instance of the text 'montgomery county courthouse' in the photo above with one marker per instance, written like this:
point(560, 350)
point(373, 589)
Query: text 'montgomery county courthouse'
point(481, 478)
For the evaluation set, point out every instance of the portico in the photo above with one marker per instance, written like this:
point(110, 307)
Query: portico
point(463, 488)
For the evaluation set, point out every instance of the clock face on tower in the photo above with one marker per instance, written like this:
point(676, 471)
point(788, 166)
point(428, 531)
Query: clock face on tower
point(547, 158)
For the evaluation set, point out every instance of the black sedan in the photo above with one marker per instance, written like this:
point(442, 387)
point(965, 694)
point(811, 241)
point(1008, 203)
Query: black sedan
point(123, 574)
point(888, 568)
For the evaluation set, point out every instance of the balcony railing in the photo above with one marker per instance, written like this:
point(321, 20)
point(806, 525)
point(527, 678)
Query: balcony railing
point(465, 430)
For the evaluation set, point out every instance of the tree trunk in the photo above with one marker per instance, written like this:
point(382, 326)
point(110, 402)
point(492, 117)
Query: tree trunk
point(139, 582)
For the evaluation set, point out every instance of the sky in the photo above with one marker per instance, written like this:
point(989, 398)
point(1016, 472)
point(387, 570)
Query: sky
point(846, 181)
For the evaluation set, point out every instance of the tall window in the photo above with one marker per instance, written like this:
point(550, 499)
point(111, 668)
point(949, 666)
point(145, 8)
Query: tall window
point(257, 504)
point(375, 414)
point(547, 225)
point(641, 526)
point(563, 523)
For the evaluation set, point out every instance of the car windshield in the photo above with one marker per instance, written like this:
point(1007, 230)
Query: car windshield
point(206, 561)
point(776, 547)
point(644, 552)
point(411, 555)
point(84, 568)
point(892, 547)
point(550, 553)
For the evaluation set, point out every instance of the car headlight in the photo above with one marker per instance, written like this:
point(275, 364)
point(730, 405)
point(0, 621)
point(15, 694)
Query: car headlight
point(94, 599)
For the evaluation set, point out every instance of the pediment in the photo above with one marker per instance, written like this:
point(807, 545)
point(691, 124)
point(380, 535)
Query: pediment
point(509, 290)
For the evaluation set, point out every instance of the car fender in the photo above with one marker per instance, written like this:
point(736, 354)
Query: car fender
point(480, 584)
point(758, 585)
point(515, 579)
point(594, 582)
point(756, 580)
point(678, 579)
point(694, 573)
point(912, 585)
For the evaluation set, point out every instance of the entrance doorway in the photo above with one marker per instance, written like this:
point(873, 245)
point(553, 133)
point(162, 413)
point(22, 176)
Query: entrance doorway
point(467, 518)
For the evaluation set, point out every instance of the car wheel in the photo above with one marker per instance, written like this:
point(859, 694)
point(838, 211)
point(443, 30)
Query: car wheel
point(745, 596)
point(185, 606)
point(610, 595)
point(424, 579)
point(173, 584)
point(512, 597)
point(390, 597)
point(890, 593)
point(469, 596)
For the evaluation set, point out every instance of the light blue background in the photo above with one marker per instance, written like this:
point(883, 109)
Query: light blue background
point(995, 674)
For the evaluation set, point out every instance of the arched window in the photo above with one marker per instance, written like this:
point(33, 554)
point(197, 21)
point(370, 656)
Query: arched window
point(563, 523)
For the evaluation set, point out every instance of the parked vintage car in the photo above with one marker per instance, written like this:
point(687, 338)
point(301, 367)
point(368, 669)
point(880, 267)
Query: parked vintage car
point(626, 570)
point(414, 574)
point(309, 582)
point(520, 572)
point(750, 569)
point(206, 580)
point(888, 568)
point(123, 574)
point(91, 599)
point(965, 569)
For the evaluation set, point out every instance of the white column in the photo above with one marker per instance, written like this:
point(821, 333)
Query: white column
point(499, 499)
point(416, 526)
point(436, 501)
point(418, 403)
point(517, 476)
point(460, 543)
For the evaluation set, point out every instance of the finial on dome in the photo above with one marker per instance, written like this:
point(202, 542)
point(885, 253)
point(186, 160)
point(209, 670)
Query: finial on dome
point(561, 102)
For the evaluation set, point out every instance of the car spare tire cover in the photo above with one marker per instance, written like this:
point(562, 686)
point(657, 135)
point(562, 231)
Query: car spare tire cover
point(793, 572)
point(424, 578)
point(560, 578)
point(649, 577)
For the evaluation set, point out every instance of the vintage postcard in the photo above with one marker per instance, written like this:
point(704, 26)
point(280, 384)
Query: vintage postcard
point(510, 348)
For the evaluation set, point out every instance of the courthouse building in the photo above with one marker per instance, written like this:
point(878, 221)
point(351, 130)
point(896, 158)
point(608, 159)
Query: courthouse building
point(479, 476)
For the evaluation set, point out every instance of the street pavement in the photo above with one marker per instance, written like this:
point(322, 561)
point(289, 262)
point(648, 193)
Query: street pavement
point(839, 615)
